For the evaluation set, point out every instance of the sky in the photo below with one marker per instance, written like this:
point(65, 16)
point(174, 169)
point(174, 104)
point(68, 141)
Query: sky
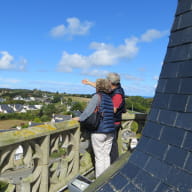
point(52, 45)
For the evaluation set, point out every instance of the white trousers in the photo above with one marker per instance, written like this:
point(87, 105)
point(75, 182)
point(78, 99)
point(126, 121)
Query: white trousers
point(101, 143)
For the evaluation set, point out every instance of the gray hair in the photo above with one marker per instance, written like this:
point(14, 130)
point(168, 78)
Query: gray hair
point(114, 78)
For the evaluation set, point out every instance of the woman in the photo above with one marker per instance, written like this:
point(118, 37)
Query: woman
point(102, 138)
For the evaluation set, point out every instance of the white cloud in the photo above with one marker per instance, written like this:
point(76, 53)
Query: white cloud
point(133, 78)
point(143, 90)
point(74, 27)
point(104, 55)
point(22, 64)
point(42, 82)
point(7, 62)
point(62, 86)
point(156, 78)
point(4, 85)
point(95, 73)
point(152, 34)
point(155, 86)
point(103, 73)
point(9, 80)
point(58, 31)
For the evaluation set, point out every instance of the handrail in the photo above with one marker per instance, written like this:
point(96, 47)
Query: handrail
point(46, 157)
point(42, 158)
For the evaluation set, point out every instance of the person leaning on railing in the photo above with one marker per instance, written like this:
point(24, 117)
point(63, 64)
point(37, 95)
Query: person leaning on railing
point(118, 99)
point(101, 138)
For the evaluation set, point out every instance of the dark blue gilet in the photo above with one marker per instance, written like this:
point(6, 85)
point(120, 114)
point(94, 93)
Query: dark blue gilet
point(121, 109)
point(106, 109)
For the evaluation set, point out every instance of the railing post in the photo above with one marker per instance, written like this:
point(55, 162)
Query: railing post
point(45, 161)
point(76, 149)
point(119, 142)
point(125, 134)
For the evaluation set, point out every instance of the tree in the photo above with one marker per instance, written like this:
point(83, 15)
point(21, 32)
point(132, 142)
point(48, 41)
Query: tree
point(56, 98)
point(48, 110)
point(69, 101)
point(45, 118)
point(138, 103)
point(37, 120)
point(78, 106)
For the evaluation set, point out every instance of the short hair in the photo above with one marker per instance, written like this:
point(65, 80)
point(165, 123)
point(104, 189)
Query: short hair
point(103, 85)
point(114, 78)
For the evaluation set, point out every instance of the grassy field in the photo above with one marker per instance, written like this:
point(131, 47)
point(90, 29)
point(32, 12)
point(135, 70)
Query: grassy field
point(80, 99)
point(8, 124)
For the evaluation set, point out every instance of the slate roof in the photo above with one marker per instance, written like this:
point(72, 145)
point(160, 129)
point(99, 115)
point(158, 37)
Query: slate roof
point(162, 161)
point(6, 108)
point(17, 107)
point(11, 108)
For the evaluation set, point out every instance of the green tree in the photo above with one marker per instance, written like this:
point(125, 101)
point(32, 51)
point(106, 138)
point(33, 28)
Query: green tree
point(45, 118)
point(69, 101)
point(56, 98)
point(48, 110)
point(78, 106)
point(138, 103)
point(37, 120)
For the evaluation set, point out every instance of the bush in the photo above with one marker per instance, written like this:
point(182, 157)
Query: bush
point(45, 118)
point(37, 120)
point(134, 126)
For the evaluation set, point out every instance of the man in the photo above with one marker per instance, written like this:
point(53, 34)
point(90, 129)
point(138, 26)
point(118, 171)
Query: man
point(118, 99)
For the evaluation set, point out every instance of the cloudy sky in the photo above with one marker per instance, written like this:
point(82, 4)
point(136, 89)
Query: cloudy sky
point(53, 45)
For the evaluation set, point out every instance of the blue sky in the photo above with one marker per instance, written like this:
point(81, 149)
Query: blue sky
point(53, 45)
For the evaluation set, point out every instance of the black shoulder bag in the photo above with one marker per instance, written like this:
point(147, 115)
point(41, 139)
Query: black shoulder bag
point(92, 122)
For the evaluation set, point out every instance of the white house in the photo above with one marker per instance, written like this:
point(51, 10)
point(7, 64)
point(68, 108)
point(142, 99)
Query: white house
point(18, 98)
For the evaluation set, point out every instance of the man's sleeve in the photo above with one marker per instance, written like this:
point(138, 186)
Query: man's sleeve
point(117, 100)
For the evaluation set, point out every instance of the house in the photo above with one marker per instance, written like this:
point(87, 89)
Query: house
point(18, 98)
point(38, 106)
point(4, 108)
point(59, 118)
point(77, 113)
point(32, 98)
point(2, 100)
point(30, 107)
point(28, 99)
point(18, 108)
point(68, 107)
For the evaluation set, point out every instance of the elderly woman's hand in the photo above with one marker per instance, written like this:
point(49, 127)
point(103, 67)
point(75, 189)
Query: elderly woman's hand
point(85, 81)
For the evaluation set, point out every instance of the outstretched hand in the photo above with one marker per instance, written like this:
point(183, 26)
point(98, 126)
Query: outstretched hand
point(85, 81)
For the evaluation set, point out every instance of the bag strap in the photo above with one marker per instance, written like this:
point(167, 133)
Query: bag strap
point(98, 105)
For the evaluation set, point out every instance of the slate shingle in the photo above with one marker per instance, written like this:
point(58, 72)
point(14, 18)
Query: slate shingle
point(173, 136)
